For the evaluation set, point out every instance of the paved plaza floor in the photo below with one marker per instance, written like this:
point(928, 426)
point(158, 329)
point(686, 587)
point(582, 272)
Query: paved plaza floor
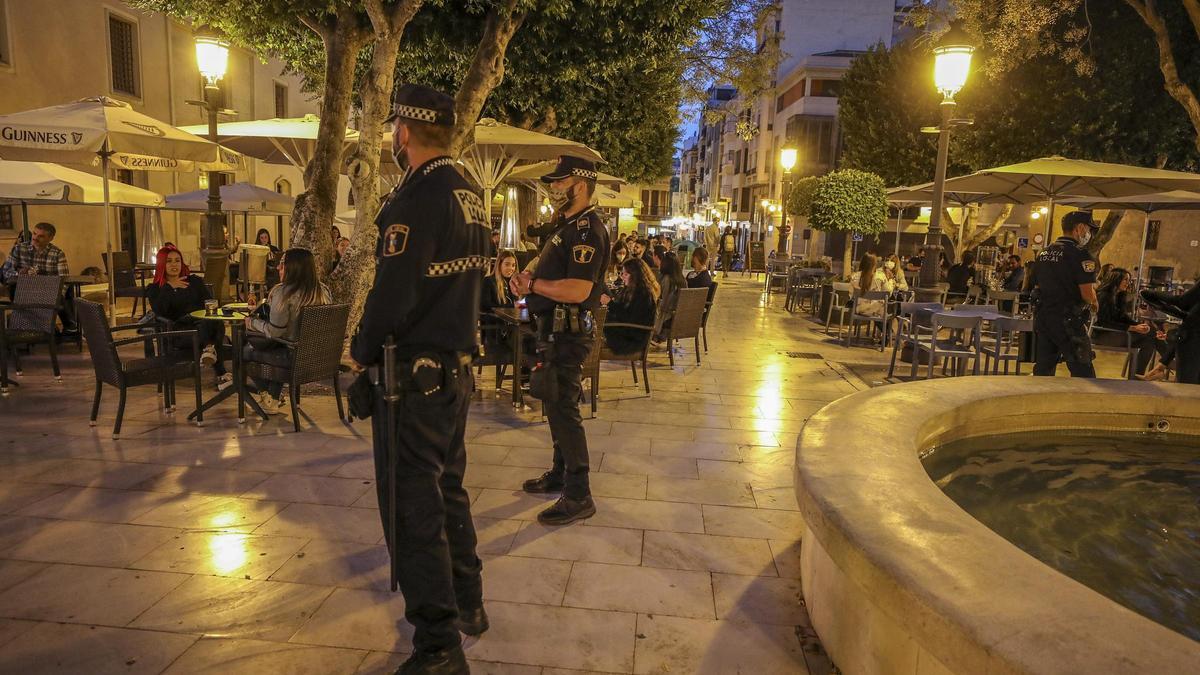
point(252, 549)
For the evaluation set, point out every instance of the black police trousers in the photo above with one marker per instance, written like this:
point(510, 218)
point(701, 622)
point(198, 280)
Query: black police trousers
point(434, 551)
point(1054, 343)
point(563, 360)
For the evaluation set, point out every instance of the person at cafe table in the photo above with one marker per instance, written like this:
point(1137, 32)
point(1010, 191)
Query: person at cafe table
point(39, 256)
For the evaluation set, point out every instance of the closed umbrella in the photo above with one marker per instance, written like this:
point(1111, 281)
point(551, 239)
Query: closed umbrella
point(108, 132)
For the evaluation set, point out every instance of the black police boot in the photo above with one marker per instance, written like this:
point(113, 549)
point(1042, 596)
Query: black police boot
point(545, 483)
point(568, 510)
point(445, 662)
point(473, 622)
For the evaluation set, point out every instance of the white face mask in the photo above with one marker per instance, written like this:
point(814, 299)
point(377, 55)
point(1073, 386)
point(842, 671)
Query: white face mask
point(1085, 237)
point(558, 198)
point(400, 157)
point(891, 265)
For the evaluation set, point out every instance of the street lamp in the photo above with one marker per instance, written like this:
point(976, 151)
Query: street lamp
point(952, 64)
point(212, 60)
point(787, 160)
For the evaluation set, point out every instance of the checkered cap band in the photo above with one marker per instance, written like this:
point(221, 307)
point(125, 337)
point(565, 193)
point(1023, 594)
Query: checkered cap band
point(415, 113)
point(584, 173)
point(457, 266)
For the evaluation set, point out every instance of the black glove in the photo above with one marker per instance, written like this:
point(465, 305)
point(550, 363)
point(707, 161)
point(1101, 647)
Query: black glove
point(361, 396)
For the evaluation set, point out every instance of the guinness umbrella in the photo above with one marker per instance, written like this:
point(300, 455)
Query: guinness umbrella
point(243, 198)
point(1051, 179)
point(107, 132)
point(496, 150)
point(289, 141)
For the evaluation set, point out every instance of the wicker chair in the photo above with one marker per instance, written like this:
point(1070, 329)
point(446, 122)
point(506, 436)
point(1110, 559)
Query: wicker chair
point(686, 319)
point(712, 295)
point(497, 350)
point(161, 370)
point(607, 354)
point(29, 320)
point(591, 365)
point(124, 279)
point(314, 355)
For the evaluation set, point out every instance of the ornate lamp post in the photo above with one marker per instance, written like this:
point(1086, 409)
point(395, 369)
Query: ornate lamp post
point(952, 64)
point(212, 59)
point(787, 161)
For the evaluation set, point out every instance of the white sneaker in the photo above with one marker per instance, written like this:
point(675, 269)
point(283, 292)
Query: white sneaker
point(208, 356)
point(272, 405)
point(224, 382)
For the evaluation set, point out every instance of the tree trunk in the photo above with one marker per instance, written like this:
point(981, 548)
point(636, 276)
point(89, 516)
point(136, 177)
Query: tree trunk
point(983, 233)
point(1172, 82)
point(1105, 234)
point(848, 256)
point(485, 74)
point(313, 214)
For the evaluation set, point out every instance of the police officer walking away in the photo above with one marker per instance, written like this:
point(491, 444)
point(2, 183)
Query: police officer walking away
point(1065, 291)
point(433, 244)
point(562, 294)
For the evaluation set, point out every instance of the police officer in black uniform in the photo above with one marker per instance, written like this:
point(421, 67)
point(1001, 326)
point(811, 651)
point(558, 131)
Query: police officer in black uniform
point(1065, 299)
point(562, 294)
point(434, 242)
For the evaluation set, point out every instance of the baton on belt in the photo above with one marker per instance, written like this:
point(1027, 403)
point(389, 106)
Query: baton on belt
point(391, 398)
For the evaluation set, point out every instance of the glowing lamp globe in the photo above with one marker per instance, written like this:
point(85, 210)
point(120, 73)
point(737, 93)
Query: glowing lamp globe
point(212, 57)
point(952, 61)
point(787, 158)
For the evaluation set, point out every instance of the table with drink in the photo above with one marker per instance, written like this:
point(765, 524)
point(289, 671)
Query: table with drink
point(234, 315)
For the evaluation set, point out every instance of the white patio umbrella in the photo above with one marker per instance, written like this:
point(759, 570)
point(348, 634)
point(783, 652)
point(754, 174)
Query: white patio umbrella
point(1175, 200)
point(613, 200)
point(496, 150)
point(923, 194)
point(244, 198)
point(46, 183)
point(108, 132)
point(288, 141)
point(535, 171)
point(1050, 179)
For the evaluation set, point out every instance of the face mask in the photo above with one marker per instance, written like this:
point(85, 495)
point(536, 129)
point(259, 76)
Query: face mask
point(1085, 238)
point(400, 157)
point(559, 198)
point(890, 265)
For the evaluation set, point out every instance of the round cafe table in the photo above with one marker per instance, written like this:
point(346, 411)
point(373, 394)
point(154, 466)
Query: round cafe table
point(236, 320)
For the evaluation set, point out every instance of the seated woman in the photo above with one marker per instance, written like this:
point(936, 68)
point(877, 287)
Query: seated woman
point(1114, 315)
point(615, 260)
point(339, 249)
point(699, 277)
point(634, 303)
point(670, 279)
point(299, 286)
point(263, 238)
point(495, 293)
point(960, 277)
point(173, 295)
point(868, 279)
point(893, 275)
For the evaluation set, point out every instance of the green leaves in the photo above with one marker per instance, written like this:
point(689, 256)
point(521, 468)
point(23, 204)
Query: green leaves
point(798, 200)
point(849, 200)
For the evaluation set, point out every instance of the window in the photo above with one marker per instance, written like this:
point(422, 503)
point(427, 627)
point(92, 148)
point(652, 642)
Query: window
point(816, 138)
point(123, 51)
point(6, 218)
point(1152, 229)
point(281, 96)
point(5, 56)
point(825, 88)
point(793, 94)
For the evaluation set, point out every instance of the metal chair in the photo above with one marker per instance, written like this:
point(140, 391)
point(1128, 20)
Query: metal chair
point(123, 277)
point(29, 320)
point(1131, 353)
point(496, 347)
point(712, 295)
point(962, 343)
point(591, 365)
point(252, 268)
point(1003, 344)
point(162, 369)
point(313, 356)
point(857, 319)
point(1007, 301)
point(974, 295)
point(839, 301)
point(686, 319)
point(802, 285)
point(909, 327)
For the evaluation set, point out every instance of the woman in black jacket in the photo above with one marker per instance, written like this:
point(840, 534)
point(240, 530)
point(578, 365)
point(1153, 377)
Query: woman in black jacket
point(634, 303)
point(174, 294)
point(494, 294)
point(1114, 315)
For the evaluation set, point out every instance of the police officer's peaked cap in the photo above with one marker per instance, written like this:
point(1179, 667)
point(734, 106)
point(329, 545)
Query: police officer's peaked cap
point(571, 166)
point(1074, 218)
point(421, 103)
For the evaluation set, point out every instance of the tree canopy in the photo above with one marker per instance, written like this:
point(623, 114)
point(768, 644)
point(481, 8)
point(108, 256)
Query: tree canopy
point(849, 200)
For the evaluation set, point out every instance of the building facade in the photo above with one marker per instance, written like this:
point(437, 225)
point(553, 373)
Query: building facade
point(62, 51)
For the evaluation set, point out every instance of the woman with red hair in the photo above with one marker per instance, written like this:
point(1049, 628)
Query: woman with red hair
point(174, 295)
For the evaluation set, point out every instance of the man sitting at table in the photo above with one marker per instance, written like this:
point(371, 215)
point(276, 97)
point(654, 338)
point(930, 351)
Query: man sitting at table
point(38, 256)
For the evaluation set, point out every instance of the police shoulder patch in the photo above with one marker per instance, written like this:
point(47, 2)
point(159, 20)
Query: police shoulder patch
point(1089, 266)
point(472, 207)
point(395, 240)
point(583, 254)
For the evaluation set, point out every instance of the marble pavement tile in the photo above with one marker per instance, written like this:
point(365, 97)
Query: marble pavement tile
point(780, 498)
point(347, 564)
point(624, 486)
point(199, 512)
point(222, 656)
point(238, 608)
point(204, 480)
point(510, 504)
point(490, 454)
point(360, 619)
point(95, 650)
point(11, 629)
point(626, 445)
point(359, 467)
point(89, 595)
point(771, 600)
point(708, 553)
point(584, 639)
point(495, 536)
point(575, 542)
point(223, 554)
point(727, 493)
point(87, 473)
point(530, 580)
point(386, 663)
point(311, 489)
point(13, 572)
point(14, 496)
point(757, 475)
point(640, 589)
point(697, 449)
point(289, 460)
point(320, 521)
point(787, 557)
point(649, 465)
point(647, 515)
point(97, 504)
point(83, 543)
point(705, 647)
point(734, 521)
